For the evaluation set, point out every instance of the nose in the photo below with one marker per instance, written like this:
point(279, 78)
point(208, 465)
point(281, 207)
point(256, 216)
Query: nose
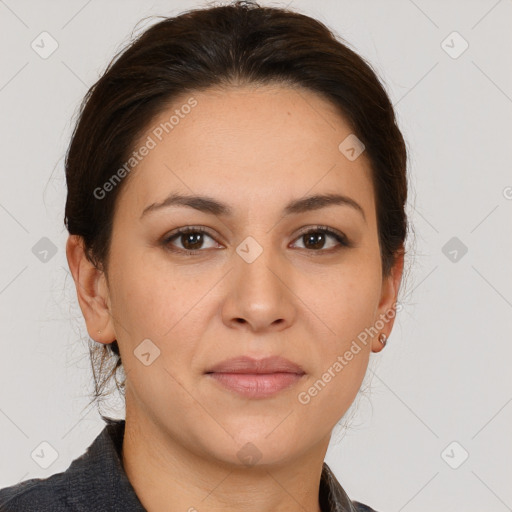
point(260, 294)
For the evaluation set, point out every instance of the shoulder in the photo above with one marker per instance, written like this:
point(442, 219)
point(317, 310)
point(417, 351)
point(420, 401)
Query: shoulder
point(361, 507)
point(95, 481)
point(36, 495)
point(333, 497)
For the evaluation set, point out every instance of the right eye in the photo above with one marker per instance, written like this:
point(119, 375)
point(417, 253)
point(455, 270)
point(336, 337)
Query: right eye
point(191, 239)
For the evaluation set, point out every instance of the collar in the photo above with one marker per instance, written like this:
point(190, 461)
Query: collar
point(99, 475)
point(97, 480)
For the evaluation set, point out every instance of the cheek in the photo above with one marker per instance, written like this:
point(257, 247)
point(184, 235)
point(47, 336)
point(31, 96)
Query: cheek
point(161, 305)
point(147, 299)
point(328, 394)
point(345, 300)
point(141, 307)
point(346, 307)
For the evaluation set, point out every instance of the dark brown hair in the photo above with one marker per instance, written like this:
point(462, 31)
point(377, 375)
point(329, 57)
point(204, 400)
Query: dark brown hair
point(223, 46)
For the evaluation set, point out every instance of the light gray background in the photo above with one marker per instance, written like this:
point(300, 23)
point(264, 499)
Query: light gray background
point(445, 375)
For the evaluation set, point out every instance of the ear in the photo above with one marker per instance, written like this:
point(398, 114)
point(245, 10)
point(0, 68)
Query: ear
point(386, 311)
point(92, 292)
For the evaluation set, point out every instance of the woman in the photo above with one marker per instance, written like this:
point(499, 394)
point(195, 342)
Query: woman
point(236, 192)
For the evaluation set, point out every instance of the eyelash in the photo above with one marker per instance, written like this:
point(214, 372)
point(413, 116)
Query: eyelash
point(338, 236)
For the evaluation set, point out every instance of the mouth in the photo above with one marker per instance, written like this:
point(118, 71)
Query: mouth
point(256, 385)
point(252, 378)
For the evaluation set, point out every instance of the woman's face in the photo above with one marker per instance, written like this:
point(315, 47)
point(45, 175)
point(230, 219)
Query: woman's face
point(254, 284)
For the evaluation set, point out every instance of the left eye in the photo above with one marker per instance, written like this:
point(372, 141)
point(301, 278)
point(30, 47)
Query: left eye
point(315, 239)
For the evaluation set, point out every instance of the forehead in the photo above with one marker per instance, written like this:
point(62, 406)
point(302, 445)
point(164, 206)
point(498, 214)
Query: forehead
point(246, 145)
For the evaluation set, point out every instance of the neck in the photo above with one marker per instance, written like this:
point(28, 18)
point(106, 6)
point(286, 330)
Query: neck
point(166, 476)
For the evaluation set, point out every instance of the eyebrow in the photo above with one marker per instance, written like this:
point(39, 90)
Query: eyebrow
point(212, 206)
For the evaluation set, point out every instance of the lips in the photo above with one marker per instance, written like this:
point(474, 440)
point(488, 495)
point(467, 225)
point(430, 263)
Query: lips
point(256, 378)
point(267, 365)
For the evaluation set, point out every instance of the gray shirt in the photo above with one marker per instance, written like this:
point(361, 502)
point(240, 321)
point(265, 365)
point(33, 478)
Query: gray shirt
point(96, 482)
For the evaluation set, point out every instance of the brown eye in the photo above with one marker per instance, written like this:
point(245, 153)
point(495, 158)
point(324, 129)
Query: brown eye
point(191, 239)
point(316, 240)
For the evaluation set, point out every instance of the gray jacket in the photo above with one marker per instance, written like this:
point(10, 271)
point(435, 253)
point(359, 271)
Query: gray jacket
point(97, 482)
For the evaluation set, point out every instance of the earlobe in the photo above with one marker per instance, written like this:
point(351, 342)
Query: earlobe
point(386, 312)
point(92, 292)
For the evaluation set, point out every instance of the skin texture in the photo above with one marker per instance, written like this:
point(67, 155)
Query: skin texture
point(256, 149)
